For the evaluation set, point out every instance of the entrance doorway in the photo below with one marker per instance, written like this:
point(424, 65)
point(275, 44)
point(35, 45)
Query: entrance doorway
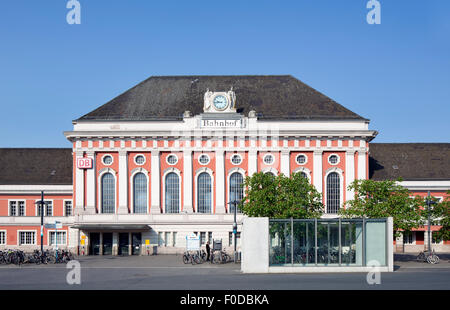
point(136, 242)
point(123, 244)
point(107, 243)
point(94, 243)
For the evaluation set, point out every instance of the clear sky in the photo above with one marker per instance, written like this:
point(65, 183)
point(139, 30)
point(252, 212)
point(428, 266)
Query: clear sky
point(397, 73)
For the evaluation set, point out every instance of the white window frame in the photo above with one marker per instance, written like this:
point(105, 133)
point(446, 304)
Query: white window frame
point(413, 236)
point(304, 170)
point(166, 172)
point(268, 155)
point(301, 154)
point(240, 159)
point(36, 207)
point(338, 159)
point(197, 174)
point(99, 189)
point(29, 230)
point(167, 159)
point(230, 172)
point(103, 160)
point(133, 173)
point(6, 236)
point(341, 188)
point(203, 154)
point(59, 231)
point(17, 206)
point(135, 159)
point(64, 206)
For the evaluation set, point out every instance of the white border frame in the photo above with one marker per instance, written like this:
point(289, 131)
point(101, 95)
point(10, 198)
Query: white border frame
point(103, 159)
point(211, 174)
point(203, 154)
point(264, 159)
point(134, 159)
point(341, 188)
point(305, 170)
point(166, 172)
point(301, 154)
point(45, 209)
point(26, 230)
point(220, 95)
point(17, 207)
point(64, 207)
point(59, 230)
point(132, 174)
point(240, 158)
point(338, 157)
point(6, 236)
point(99, 189)
point(413, 234)
point(230, 172)
point(270, 170)
point(167, 159)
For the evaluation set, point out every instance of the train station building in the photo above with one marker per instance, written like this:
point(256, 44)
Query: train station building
point(167, 158)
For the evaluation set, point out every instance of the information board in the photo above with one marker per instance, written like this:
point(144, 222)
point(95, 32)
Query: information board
point(192, 243)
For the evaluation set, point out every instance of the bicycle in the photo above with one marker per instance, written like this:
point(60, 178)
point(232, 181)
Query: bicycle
point(427, 256)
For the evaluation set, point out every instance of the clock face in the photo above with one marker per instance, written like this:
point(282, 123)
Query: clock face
point(220, 102)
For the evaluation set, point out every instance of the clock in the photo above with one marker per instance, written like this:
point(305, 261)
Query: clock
point(220, 102)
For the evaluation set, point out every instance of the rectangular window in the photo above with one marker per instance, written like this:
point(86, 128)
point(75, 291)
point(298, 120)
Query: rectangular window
point(48, 207)
point(210, 239)
point(68, 207)
point(166, 239)
point(202, 238)
point(230, 238)
point(21, 208)
point(13, 208)
point(2, 237)
point(27, 237)
point(174, 239)
point(61, 238)
point(160, 239)
point(408, 237)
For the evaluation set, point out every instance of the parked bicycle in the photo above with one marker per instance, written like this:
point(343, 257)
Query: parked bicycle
point(427, 256)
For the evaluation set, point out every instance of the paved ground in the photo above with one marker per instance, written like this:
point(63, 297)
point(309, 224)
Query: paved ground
point(168, 272)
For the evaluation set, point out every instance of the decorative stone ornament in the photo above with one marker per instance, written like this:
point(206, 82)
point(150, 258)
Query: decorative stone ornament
point(219, 102)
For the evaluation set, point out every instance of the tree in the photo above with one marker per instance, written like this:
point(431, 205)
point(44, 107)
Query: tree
point(281, 197)
point(440, 215)
point(377, 199)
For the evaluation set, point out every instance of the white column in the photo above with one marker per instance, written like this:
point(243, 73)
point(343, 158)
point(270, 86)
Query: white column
point(362, 165)
point(155, 179)
point(252, 162)
point(220, 182)
point(123, 182)
point(349, 173)
point(90, 185)
point(187, 181)
point(317, 170)
point(79, 186)
point(285, 164)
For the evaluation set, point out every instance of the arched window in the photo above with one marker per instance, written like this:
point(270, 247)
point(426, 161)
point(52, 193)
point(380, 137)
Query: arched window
point(333, 193)
point(139, 193)
point(204, 193)
point(172, 198)
point(108, 193)
point(236, 189)
point(303, 174)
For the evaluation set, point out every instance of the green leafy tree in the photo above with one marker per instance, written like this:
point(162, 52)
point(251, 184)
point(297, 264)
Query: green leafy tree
point(377, 199)
point(281, 197)
point(440, 215)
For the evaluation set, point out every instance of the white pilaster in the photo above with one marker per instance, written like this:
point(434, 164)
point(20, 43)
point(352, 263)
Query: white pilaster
point(155, 179)
point(252, 162)
point(123, 182)
point(285, 164)
point(361, 165)
point(90, 185)
point(79, 186)
point(349, 173)
point(220, 182)
point(187, 182)
point(317, 170)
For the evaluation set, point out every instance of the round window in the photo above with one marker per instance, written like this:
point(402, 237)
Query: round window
point(107, 160)
point(333, 159)
point(236, 159)
point(139, 160)
point(268, 159)
point(203, 159)
point(301, 159)
point(172, 159)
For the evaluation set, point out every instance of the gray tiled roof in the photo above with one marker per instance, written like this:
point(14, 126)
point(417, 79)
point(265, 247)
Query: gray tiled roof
point(272, 97)
point(35, 166)
point(410, 161)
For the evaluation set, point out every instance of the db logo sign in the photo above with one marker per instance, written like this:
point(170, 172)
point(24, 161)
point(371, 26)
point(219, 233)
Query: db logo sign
point(84, 163)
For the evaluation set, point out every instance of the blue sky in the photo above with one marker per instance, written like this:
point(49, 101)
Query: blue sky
point(397, 74)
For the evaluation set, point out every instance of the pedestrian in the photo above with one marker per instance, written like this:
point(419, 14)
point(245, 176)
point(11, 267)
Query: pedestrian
point(208, 250)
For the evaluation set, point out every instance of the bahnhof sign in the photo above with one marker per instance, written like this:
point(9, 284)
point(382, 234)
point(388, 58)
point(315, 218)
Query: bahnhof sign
point(164, 160)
